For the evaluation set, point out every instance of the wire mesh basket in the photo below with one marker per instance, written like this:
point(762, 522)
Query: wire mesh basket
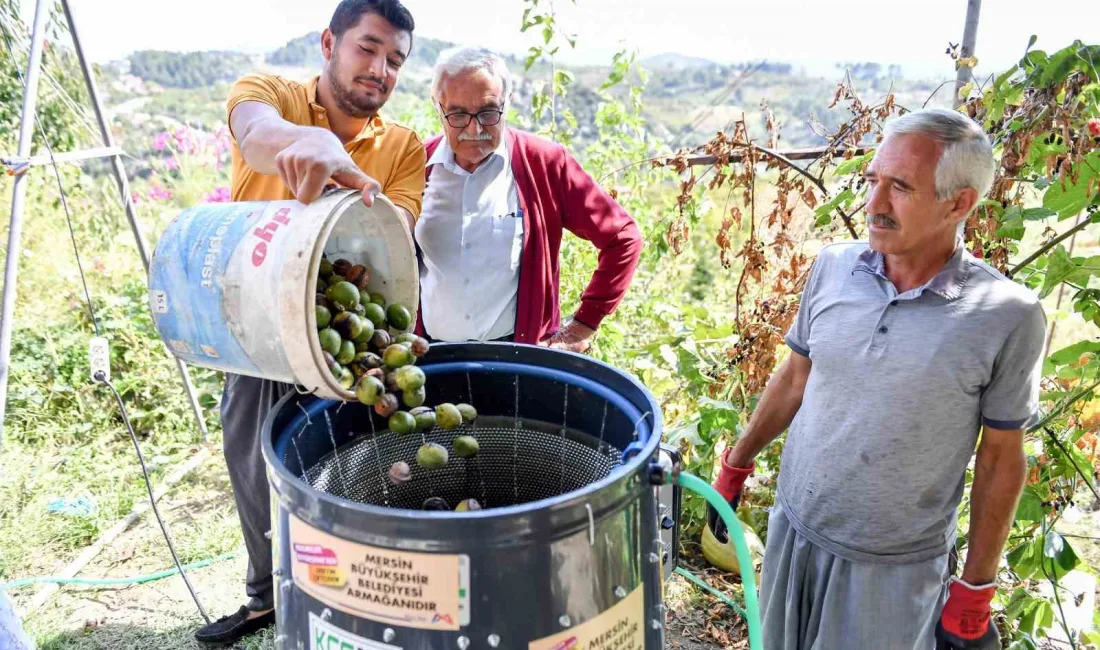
point(517, 462)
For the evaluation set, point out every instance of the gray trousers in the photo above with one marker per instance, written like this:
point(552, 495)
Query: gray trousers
point(246, 401)
point(811, 599)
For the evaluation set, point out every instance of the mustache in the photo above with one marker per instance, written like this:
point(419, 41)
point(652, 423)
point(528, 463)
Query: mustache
point(373, 79)
point(462, 137)
point(882, 221)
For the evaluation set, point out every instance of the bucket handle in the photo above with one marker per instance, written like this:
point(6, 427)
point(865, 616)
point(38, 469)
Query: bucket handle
point(299, 389)
point(333, 188)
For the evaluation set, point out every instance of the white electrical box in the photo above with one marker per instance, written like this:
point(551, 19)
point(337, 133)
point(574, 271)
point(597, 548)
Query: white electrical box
point(99, 358)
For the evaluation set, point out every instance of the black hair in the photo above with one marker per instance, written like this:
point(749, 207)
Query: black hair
point(349, 12)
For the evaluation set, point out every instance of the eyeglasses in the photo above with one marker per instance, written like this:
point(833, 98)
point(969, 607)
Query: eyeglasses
point(460, 119)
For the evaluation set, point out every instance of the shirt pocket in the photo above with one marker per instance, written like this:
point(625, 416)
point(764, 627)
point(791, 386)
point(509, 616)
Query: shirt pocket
point(507, 238)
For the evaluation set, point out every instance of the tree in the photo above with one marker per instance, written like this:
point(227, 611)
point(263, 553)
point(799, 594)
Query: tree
point(190, 69)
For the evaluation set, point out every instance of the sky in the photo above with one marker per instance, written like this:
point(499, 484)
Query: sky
point(812, 34)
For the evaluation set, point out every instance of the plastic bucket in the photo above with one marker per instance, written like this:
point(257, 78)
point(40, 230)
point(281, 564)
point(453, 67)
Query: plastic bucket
point(232, 286)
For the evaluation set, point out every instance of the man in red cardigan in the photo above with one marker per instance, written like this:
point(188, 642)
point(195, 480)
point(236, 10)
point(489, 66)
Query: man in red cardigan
point(496, 203)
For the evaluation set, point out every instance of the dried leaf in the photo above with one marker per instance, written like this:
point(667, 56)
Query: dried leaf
point(809, 198)
point(735, 216)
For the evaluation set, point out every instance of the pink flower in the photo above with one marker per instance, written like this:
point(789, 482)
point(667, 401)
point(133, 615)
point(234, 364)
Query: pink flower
point(219, 195)
point(160, 141)
point(173, 163)
point(184, 142)
point(135, 197)
point(221, 142)
point(157, 193)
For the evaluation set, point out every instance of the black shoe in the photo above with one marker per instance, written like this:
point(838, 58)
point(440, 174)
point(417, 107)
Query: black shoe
point(232, 628)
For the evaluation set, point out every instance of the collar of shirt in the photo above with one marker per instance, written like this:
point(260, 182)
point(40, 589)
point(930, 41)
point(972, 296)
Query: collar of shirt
point(374, 127)
point(445, 156)
point(947, 283)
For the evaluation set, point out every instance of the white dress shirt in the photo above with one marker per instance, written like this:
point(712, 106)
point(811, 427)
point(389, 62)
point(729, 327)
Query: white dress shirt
point(470, 234)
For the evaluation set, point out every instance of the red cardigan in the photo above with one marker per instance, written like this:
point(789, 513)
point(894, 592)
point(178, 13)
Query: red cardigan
point(555, 193)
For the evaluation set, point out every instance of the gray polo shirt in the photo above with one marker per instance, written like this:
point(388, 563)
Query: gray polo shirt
point(875, 459)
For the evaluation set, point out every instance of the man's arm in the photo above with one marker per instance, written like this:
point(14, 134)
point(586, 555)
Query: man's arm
point(592, 214)
point(999, 472)
point(1000, 469)
point(1009, 404)
point(778, 405)
point(305, 157)
point(405, 185)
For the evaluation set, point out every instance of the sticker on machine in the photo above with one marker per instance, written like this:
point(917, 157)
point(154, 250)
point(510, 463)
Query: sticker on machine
point(421, 590)
point(326, 636)
point(618, 628)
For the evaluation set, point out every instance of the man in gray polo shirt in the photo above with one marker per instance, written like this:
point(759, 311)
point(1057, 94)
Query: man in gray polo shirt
point(904, 348)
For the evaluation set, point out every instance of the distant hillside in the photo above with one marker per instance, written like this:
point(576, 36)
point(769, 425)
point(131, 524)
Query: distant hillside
point(188, 69)
point(301, 51)
point(686, 99)
point(305, 51)
point(673, 61)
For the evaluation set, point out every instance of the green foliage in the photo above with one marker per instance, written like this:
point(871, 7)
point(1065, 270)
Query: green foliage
point(61, 87)
point(1048, 556)
point(1069, 196)
point(188, 70)
point(546, 118)
point(1033, 613)
point(63, 434)
point(301, 51)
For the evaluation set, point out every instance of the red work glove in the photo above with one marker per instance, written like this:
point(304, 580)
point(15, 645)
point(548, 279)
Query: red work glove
point(729, 483)
point(965, 622)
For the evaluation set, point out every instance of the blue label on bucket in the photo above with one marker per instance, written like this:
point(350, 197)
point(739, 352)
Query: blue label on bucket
point(185, 288)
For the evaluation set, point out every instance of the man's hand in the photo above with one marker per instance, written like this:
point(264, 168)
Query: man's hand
point(730, 482)
point(305, 157)
point(965, 623)
point(307, 165)
point(574, 337)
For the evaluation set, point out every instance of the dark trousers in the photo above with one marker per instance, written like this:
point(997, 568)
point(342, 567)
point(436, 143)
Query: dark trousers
point(246, 401)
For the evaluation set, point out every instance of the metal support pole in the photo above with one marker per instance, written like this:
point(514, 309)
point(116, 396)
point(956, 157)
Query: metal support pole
point(18, 200)
point(68, 156)
point(970, 38)
point(124, 189)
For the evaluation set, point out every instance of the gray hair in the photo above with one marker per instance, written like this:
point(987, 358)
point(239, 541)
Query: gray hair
point(967, 158)
point(464, 60)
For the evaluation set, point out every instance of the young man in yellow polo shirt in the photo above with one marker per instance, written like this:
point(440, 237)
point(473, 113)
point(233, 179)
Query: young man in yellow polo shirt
point(289, 141)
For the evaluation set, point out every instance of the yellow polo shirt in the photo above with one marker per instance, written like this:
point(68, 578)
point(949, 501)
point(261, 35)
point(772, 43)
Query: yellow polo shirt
point(389, 153)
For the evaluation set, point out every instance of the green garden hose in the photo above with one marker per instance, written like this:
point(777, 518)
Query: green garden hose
point(699, 582)
point(733, 525)
point(114, 581)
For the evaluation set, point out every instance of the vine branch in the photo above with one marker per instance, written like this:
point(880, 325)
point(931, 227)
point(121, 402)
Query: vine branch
point(1054, 583)
point(1060, 445)
point(1065, 405)
point(813, 179)
point(1049, 245)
